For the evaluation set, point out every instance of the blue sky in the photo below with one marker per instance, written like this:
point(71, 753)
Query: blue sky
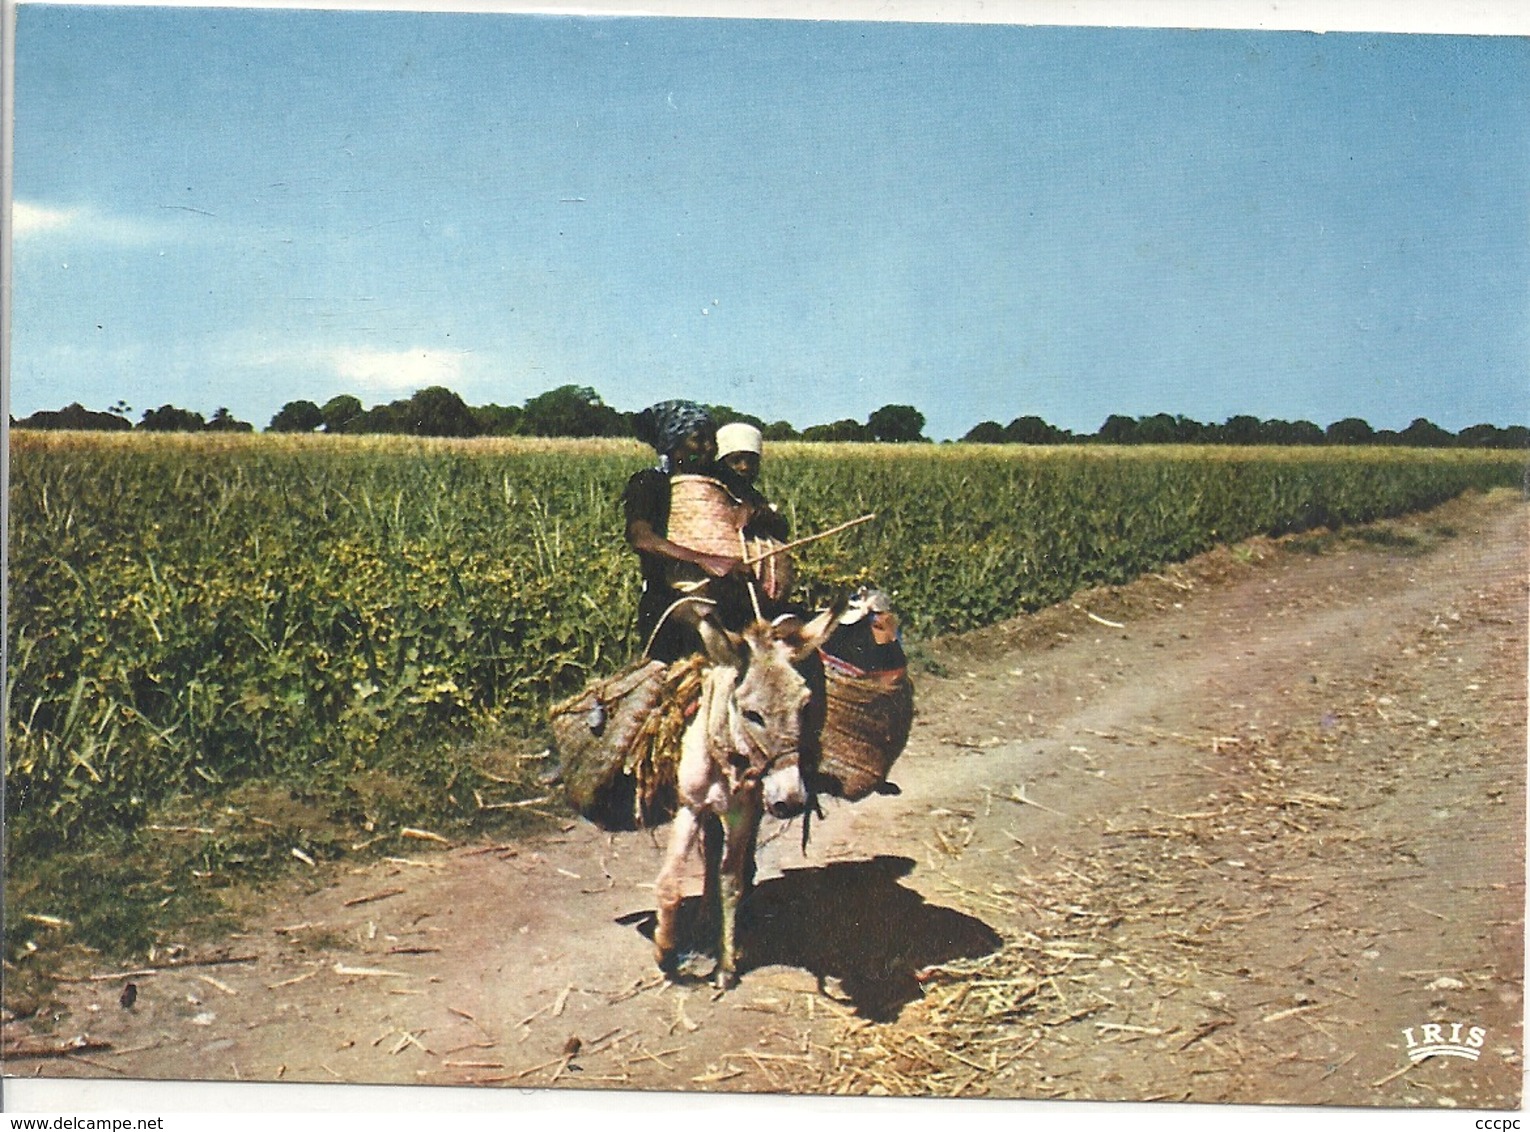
point(804, 219)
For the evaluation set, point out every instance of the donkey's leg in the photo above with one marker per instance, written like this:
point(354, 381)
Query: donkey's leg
point(713, 840)
point(740, 825)
point(749, 863)
point(682, 843)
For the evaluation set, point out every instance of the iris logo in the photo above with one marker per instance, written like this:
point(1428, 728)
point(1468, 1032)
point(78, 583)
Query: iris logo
point(1432, 1041)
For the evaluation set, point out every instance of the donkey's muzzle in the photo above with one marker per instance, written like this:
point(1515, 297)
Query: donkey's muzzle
point(785, 794)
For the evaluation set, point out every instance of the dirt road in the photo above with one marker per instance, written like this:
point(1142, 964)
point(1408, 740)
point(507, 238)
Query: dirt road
point(1239, 832)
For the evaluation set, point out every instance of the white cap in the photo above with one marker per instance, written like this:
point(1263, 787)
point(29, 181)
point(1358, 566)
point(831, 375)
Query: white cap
point(739, 437)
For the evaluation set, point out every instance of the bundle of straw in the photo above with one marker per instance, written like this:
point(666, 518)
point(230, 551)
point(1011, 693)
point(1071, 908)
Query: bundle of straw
point(653, 759)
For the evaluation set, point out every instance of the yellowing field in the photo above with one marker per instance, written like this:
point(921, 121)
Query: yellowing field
point(187, 612)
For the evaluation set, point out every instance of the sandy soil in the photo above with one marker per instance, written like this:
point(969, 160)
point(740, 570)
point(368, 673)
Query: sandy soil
point(1235, 833)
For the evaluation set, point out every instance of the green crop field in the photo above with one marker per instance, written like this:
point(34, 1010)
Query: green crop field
point(188, 613)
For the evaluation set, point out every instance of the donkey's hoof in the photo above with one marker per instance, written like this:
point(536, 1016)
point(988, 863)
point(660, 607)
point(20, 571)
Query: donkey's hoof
point(725, 980)
point(668, 959)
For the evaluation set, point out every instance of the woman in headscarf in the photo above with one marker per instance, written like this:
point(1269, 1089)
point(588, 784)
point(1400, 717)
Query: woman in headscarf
point(683, 435)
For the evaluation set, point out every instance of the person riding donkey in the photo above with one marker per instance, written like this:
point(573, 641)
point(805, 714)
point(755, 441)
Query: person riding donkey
point(706, 542)
point(740, 448)
point(681, 584)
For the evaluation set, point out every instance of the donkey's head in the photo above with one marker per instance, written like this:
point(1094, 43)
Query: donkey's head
point(762, 737)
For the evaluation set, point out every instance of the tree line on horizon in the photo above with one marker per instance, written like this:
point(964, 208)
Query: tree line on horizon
point(578, 411)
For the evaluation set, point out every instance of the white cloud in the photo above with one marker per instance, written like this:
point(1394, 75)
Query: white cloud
point(363, 369)
point(34, 219)
point(84, 222)
point(397, 371)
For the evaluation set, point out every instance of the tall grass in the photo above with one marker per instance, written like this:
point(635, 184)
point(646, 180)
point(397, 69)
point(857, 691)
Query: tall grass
point(192, 612)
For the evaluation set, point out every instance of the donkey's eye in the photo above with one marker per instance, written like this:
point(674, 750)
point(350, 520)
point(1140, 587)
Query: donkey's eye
point(754, 717)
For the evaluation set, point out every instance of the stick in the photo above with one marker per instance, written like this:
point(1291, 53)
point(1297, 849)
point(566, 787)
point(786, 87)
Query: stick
point(81, 1044)
point(1204, 1030)
point(374, 972)
point(1017, 794)
point(218, 961)
point(383, 895)
point(46, 920)
point(521, 805)
point(809, 538)
point(180, 829)
point(692, 587)
point(108, 977)
point(1098, 619)
point(1393, 1076)
point(1292, 1012)
point(561, 1061)
point(294, 979)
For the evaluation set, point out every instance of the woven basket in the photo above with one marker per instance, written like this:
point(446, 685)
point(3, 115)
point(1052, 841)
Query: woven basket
point(618, 743)
point(704, 516)
point(866, 726)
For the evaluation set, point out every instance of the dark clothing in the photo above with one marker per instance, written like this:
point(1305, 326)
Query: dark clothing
point(855, 645)
point(646, 498)
point(769, 523)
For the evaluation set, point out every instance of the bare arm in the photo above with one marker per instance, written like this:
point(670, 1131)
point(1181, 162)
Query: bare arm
point(645, 540)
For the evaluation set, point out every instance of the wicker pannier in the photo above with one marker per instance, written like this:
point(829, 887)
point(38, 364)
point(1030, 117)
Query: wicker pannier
point(867, 719)
point(704, 516)
point(618, 743)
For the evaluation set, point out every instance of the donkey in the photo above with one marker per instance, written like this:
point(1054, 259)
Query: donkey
point(739, 756)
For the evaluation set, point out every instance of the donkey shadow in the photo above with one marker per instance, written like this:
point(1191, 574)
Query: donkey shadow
point(851, 921)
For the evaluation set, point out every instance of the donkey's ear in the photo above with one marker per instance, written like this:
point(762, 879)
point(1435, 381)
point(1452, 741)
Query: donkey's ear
point(817, 631)
point(721, 646)
point(786, 627)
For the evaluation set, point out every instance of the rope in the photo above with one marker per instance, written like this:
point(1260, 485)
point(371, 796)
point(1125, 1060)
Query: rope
point(663, 617)
point(754, 595)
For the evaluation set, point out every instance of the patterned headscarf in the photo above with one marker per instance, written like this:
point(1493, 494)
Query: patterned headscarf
point(665, 425)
